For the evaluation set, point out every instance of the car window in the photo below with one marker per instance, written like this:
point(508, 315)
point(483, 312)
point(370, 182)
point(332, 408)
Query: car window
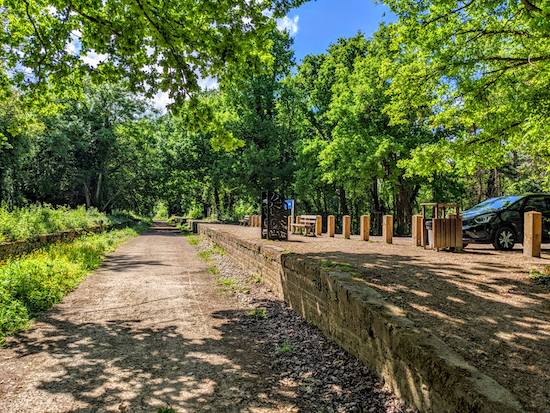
point(493, 204)
point(537, 203)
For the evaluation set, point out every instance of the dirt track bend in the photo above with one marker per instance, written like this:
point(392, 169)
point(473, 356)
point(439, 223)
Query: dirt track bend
point(149, 329)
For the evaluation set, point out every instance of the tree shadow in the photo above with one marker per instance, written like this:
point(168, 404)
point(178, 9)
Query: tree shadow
point(121, 363)
point(498, 321)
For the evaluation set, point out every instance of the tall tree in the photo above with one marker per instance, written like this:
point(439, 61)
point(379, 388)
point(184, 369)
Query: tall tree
point(483, 66)
point(153, 45)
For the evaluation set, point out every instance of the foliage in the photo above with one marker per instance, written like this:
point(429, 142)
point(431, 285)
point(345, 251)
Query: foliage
point(155, 46)
point(541, 277)
point(30, 284)
point(258, 313)
point(28, 222)
point(285, 348)
point(483, 67)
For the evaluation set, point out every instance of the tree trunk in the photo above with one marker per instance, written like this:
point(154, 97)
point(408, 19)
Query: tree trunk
point(343, 202)
point(98, 188)
point(87, 196)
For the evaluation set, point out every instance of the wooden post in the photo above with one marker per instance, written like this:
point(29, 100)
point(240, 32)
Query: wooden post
point(331, 223)
point(532, 230)
point(387, 229)
point(346, 226)
point(417, 230)
point(319, 225)
point(290, 224)
point(365, 227)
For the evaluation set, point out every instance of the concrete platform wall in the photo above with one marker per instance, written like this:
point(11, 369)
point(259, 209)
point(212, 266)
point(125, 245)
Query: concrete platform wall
point(419, 367)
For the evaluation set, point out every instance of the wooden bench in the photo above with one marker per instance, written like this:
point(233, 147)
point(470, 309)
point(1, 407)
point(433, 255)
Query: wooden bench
point(245, 220)
point(306, 223)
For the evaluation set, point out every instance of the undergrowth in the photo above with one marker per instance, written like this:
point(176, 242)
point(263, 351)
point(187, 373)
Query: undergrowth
point(339, 267)
point(34, 220)
point(32, 283)
point(541, 277)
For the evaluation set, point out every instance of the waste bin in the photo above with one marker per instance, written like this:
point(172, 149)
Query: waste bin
point(429, 228)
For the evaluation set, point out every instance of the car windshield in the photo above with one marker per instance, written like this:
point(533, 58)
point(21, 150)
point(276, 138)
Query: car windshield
point(494, 203)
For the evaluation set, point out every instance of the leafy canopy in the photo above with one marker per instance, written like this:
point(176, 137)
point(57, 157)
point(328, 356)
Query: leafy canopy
point(152, 44)
point(484, 67)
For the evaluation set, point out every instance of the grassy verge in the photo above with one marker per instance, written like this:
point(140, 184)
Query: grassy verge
point(34, 220)
point(32, 283)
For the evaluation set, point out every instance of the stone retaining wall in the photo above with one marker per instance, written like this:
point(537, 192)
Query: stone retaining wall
point(9, 249)
point(420, 368)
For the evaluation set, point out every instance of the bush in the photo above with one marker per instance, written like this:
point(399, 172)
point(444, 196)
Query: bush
point(28, 222)
point(33, 282)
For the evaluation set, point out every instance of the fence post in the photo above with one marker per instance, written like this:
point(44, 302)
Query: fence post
point(319, 225)
point(290, 224)
point(365, 227)
point(331, 223)
point(417, 230)
point(532, 233)
point(387, 229)
point(346, 226)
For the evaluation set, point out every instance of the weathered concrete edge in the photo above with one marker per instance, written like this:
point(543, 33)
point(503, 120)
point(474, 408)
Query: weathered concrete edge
point(420, 368)
point(8, 249)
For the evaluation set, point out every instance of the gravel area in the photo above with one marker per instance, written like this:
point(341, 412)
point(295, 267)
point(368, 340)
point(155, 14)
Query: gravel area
point(298, 357)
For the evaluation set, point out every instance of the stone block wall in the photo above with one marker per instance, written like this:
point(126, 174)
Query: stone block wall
point(419, 367)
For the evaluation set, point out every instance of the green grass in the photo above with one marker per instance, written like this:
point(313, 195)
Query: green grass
point(228, 282)
point(339, 267)
point(205, 255)
point(285, 348)
point(32, 283)
point(193, 239)
point(258, 313)
point(28, 222)
point(213, 270)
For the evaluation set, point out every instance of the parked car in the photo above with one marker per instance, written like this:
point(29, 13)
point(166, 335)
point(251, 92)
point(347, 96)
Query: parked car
point(499, 221)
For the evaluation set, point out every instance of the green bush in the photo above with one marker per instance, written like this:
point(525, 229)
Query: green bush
point(33, 282)
point(28, 222)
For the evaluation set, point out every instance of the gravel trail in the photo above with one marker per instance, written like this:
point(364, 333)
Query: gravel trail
point(154, 327)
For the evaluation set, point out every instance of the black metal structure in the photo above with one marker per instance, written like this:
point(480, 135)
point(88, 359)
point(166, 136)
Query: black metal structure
point(274, 216)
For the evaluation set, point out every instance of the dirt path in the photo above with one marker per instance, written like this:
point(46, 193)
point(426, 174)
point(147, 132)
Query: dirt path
point(149, 329)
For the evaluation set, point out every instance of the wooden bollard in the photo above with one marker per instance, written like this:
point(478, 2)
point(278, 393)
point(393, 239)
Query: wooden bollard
point(256, 221)
point(365, 227)
point(319, 225)
point(387, 229)
point(417, 230)
point(532, 234)
point(289, 224)
point(331, 223)
point(346, 226)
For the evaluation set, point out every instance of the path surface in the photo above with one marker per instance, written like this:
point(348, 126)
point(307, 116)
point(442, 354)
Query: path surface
point(147, 330)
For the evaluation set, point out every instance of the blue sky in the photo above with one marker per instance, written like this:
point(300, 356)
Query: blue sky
point(317, 24)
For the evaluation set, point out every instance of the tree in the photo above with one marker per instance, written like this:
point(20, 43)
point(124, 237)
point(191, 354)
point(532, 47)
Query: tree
point(150, 44)
point(483, 67)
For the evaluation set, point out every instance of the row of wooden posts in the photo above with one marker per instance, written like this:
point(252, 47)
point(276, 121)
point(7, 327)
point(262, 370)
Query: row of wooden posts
point(387, 226)
point(450, 230)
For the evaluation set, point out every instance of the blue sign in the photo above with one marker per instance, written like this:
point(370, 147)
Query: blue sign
point(289, 203)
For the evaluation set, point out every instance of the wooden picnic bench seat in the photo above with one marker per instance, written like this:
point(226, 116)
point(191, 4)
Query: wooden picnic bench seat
point(245, 220)
point(306, 223)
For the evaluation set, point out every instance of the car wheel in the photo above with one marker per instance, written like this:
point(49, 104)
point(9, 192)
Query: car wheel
point(505, 239)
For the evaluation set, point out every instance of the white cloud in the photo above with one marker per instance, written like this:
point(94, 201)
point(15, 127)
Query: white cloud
point(208, 83)
point(288, 24)
point(93, 59)
point(161, 100)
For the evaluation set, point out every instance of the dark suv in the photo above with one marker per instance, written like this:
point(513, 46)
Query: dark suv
point(499, 221)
